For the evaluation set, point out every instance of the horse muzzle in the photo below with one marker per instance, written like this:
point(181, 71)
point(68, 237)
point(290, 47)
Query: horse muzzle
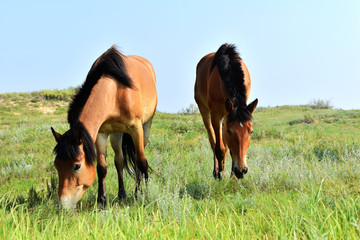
point(69, 201)
point(239, 173)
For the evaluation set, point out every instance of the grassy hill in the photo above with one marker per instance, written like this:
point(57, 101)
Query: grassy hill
point(303, 182)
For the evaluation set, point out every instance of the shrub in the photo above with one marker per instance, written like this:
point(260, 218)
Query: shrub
point(60, 95)
point(308, 119)
point(192, 109)
point(320, 104)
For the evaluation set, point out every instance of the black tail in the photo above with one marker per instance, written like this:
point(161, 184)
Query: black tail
point(129, 152)
point(228, 63)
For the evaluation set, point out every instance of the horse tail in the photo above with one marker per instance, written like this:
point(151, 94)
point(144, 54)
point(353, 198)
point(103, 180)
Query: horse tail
point(129, 153)
point(228, 62)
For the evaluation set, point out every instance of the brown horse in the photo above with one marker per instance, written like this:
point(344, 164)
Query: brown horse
point(222, 89)
point(118, 99)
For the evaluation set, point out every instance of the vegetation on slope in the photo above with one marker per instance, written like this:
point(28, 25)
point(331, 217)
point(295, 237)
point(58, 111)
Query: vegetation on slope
point(303, 180)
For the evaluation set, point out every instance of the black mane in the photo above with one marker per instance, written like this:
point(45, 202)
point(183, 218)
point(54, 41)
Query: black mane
point(228, 63)
point(67, 148)
point(109, 63)
point(240, 113)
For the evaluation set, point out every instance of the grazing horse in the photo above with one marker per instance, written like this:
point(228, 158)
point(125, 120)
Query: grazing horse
point(222, 89)
point(118, 98)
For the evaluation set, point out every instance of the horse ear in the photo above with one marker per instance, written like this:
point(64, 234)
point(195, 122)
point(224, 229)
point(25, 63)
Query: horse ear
point(251, 107)
point(80, 136)
point(229, 106)
point(56, 134)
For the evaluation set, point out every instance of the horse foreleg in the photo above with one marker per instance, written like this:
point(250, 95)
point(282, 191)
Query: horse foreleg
point(219, 149)
point(101, 168)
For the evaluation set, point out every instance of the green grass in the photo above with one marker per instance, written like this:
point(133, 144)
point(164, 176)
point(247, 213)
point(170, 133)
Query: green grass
point(303, 182)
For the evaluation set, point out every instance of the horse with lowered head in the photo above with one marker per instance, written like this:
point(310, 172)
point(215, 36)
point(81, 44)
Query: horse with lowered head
point(222, 89)
point(118, 99)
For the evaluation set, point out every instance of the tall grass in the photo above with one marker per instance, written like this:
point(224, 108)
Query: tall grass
point(303, 181)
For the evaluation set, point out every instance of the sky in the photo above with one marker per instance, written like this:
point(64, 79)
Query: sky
point(296, 51)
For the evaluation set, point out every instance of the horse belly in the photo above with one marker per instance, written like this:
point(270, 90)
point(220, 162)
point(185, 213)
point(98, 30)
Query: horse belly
point(113, 126)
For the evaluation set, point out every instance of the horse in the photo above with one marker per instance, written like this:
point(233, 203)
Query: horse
point(117, 99)
point(222, 88)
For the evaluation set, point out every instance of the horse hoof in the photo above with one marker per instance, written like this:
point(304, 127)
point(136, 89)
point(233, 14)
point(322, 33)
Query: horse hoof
point(122, 195)
point(100, 206)
point(217, 175)
point(101, 202)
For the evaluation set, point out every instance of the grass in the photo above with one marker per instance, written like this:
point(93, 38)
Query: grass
point(303, 181)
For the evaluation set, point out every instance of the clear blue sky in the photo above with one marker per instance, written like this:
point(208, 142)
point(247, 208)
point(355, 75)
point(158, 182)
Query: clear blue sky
point(296, 51)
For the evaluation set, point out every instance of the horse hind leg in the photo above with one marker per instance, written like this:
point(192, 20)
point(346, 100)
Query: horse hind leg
point(205, 114)
point(141, 164)
point(116, 140)
point(146, 134)
point(146, 129)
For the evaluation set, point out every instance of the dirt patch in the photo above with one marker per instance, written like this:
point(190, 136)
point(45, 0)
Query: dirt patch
point(7, 102)
point(46, 110)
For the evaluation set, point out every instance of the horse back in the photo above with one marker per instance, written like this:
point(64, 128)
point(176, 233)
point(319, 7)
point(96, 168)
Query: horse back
point(209, 88)
point(121, 106)
point(142, 98)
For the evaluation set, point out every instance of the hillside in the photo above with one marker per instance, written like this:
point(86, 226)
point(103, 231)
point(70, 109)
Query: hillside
point(303, 182)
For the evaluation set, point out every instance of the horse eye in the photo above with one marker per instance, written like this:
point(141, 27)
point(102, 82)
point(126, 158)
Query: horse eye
point(251, 132)
point(76, 167)
point(229, 132)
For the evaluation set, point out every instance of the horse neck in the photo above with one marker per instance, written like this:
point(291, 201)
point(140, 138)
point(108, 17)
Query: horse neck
point(99, 105)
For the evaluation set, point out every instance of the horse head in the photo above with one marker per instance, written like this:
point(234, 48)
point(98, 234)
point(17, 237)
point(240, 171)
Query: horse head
point(74, 164)
point(237, 134)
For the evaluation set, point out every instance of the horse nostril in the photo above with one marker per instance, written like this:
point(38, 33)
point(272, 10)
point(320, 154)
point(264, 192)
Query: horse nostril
point(238, 173)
